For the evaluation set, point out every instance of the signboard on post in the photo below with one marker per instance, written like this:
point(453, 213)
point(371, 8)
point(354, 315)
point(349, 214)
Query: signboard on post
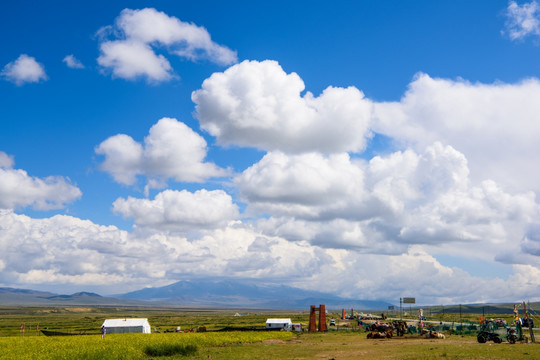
point(409, 300)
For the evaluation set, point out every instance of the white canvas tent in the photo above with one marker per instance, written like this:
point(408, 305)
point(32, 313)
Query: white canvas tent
point(120, 326)
point(284, 324)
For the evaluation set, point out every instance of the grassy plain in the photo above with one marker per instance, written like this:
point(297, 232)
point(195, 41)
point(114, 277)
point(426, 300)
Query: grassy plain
point(352, 345)
point(221, 345)
point(75, 320)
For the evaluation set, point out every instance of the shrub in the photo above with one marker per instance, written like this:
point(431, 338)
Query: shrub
point(170, 349)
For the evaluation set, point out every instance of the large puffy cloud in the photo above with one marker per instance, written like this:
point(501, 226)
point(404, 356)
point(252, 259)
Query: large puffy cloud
point(470, 199)
point(19, 190)
point(129, 60)
point(418, 274)
point(306, 185)
point(24, 70)
point(71, 253)
point(358, 236)
point(315, 205)
point(64, 249)
point(325, 211)
point(139, 33)
point(180, 210)
point(315, 186)
point(257, 104)
point(386, 204)
point(530, 243)
point(522, 20)
point(494, 126)
point(123, 158)
point(74, 254)
point(171, 150)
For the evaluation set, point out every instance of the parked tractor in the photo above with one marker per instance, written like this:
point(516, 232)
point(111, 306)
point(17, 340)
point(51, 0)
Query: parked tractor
point(484, 336)
point(487, 333)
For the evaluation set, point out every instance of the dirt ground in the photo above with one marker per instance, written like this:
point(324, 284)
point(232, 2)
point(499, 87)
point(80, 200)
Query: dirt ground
point(356, 346)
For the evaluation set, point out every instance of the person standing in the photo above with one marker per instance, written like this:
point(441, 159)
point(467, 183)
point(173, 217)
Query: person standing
point(103, 331)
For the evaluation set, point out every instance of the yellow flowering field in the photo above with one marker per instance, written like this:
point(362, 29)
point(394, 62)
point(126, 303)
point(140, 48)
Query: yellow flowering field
point(119, 346)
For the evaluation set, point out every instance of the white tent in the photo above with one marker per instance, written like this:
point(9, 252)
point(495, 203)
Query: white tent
point(119, 326)
point(284, 324)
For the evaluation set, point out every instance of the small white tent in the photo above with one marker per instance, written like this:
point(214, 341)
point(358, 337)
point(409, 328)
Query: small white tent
point(284, 324)
point(120, 326)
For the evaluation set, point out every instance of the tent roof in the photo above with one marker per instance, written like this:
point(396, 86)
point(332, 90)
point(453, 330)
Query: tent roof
point(125, 322)
point(279, 321)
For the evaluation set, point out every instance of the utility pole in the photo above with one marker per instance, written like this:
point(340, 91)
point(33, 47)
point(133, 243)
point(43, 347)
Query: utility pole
point(460, 319)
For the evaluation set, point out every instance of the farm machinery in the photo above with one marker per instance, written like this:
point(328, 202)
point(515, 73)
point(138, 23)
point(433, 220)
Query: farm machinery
point(487, 333)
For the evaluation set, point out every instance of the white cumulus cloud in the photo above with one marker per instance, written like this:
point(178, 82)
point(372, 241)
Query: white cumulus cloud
point(71, 253)
point(180, 210)
point(19, 190)
point(418, 274)
point(462, 184)
point(64, 249)
point(24, 70)
point(257, 104)
point(386, 204)
point(129, 60)
point(493, 125)
point(171, 150)
point(137, 35)
point(306, 185)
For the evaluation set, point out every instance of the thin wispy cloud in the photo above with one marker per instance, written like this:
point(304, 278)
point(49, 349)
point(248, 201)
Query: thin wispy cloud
point(72, 62)
point(522, 20)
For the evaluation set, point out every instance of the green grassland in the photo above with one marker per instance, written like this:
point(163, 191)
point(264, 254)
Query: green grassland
point(348, 343)
point(76, 320)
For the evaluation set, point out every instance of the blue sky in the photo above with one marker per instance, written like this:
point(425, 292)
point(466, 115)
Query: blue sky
point(305, 143)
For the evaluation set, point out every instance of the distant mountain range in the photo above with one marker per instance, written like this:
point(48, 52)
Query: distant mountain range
point(24, 297)
point(226, 293)
point(198, 293)
point(219, 293)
